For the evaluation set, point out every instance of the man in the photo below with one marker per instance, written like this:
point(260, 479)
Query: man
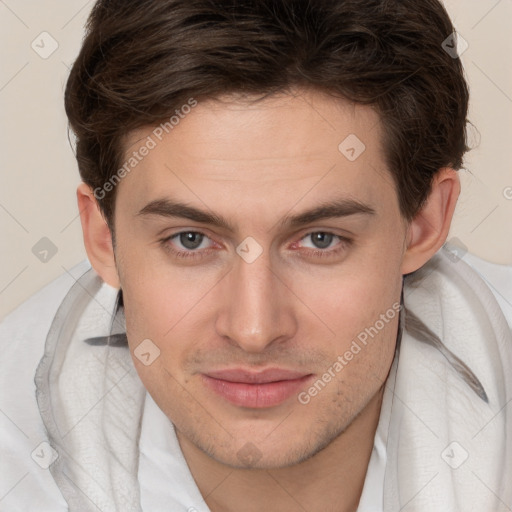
point(270, 321)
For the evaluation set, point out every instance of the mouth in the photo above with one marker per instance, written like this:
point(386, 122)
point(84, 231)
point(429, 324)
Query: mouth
point(256, 390)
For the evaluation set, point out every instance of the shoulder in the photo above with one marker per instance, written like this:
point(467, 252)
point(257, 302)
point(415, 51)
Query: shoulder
point(23, 332)
point(22, 342)
point(33, 315)
point(498, 279)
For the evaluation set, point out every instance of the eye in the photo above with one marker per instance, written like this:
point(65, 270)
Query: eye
point(321, 240)
point(322, 244)
point(190, 240)
point(188, 244)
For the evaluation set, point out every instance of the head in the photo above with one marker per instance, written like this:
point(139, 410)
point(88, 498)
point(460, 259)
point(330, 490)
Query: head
point(258, 178)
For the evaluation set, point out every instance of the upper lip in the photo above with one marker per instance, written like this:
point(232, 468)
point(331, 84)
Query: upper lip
point(251, 377)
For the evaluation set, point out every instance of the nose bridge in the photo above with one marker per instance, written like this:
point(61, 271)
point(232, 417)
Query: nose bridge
point(255, 311)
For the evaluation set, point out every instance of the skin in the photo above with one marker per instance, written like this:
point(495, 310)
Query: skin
point(255, 164)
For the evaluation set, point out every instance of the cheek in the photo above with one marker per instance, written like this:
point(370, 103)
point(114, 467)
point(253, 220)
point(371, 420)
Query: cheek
point(359, 303)
point(168, 306)
point(354, 298)
point(155, 295)
point(146, 304)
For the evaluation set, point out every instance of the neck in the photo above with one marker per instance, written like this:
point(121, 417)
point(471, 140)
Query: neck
point(331, 480)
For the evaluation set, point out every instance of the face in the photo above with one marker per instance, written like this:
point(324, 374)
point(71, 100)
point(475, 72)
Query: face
point(262, 260)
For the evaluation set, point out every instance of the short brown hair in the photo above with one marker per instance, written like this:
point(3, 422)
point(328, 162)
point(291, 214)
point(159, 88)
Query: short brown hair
point(142, 60)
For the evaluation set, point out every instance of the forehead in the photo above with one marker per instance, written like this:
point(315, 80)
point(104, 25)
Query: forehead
point(275, 150)
point(294, 125)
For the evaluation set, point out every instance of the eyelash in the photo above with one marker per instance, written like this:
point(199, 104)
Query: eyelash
point(185, 254)
point(344, 242)
point(328, 253)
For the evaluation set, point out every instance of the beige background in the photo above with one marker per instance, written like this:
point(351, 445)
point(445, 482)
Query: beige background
point(39, 176)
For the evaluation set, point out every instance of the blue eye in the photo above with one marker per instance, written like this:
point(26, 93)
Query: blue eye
point(197, 245)
point(190, 239)
point(187, 244)
point(321, 240)
point(323, 244)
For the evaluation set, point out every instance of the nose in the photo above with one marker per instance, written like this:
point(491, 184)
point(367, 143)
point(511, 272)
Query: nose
point(256, 307)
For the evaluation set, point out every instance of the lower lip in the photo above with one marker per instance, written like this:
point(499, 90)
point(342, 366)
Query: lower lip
point(255, 396)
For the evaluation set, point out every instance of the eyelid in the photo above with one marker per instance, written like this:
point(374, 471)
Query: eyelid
point(334, 235)
point(173, 236)
point(343, 239)
point(185, 255)
point(199, 253)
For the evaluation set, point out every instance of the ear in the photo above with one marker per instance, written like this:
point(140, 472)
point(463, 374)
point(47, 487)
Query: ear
point(428, 231)
point(97, 236)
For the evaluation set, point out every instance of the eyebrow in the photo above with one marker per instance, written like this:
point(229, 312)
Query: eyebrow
point(333, 209)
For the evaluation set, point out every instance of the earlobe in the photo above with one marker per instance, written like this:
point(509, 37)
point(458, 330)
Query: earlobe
point(428, 231)
point(97, 236)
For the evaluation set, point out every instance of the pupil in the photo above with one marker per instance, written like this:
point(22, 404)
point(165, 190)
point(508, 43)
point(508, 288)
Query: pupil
point(322, 240)
point(191, 240)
